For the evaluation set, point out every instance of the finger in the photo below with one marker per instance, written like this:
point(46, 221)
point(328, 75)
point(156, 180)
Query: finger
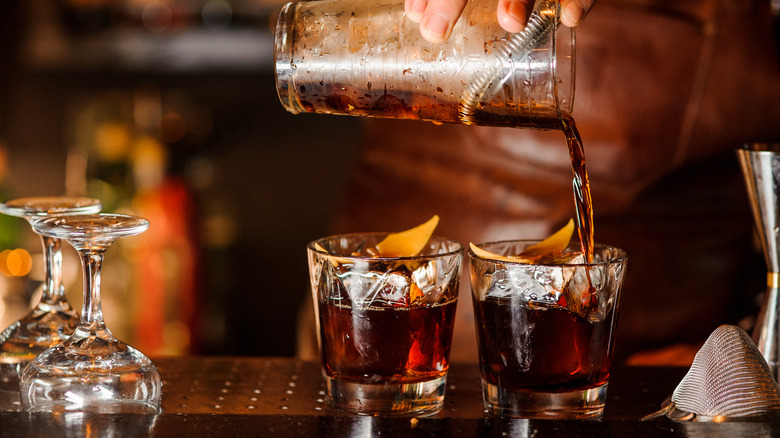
point(414, 9)
point(513, 14)
point(574, 11)
point(439, 18)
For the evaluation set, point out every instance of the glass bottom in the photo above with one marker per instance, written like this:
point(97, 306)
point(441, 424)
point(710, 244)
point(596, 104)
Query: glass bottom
point(418, 399)
point(580, 404)
point(114, 393)
point(94, 375)
point(124, 407)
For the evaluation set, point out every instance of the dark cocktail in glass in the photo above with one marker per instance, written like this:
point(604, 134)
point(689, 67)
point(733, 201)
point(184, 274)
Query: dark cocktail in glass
point(385, 323)
point(545, 329)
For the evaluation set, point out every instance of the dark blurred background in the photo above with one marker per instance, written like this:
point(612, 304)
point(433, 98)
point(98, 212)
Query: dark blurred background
point(168, 110)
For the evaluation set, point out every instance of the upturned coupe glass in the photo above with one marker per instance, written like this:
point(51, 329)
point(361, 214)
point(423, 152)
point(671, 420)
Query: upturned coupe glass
point(91, 371)
point(52, 319)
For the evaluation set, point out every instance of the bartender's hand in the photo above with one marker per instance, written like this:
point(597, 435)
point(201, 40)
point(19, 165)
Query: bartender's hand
point(437, 17)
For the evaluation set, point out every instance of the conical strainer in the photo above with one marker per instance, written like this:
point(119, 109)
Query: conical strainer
point(729, 380)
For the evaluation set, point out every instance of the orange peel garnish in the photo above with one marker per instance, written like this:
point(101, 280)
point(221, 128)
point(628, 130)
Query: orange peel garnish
point(408, 243)
point(555, 243)
point(402, 244)
point(481, 253)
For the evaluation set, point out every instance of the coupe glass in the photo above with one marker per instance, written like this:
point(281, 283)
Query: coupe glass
point(91, 371)
point(52, 319)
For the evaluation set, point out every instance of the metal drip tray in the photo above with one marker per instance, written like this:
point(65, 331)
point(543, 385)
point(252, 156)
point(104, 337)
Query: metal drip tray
point(253, 386)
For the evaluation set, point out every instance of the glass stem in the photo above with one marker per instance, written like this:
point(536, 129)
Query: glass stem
point(91, 311)
point(53, 291)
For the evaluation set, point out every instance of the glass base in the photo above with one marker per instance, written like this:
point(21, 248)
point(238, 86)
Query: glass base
point(91, 375)
point(418, 399)
point(124, 407)
point(114, 393)
point(580, 404)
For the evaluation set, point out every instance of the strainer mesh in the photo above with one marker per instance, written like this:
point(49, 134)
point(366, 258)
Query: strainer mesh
point(729, 377)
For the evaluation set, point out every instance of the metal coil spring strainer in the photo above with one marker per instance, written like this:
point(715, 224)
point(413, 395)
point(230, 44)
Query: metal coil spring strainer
point(729, 380)
point(541, 26)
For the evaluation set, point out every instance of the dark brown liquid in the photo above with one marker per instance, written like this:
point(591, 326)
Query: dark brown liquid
point(386, 344)
point(581, 185)
point(550, 349)
point(398, 104)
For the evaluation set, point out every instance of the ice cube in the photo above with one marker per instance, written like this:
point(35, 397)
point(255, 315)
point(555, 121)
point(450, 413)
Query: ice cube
point(394, 290)
point(425, 276)
point(501, 285)
point(537, 284)
point(353, 281)
point(375, 288)
point(433, 279)
point(586, 292)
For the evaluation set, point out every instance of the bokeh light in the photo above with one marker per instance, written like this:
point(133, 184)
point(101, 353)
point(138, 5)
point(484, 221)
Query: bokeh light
point(15, 262)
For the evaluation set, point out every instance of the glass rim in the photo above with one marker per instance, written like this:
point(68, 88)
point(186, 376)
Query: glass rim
point(621, 257)
point(771, 147)
point(47, 206)
point(310, 247)
point(68, 227)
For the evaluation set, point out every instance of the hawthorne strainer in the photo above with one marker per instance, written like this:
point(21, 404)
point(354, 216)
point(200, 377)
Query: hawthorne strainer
point(729, 380)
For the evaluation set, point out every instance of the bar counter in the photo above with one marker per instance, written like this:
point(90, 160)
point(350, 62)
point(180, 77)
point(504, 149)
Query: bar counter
point(259, 396)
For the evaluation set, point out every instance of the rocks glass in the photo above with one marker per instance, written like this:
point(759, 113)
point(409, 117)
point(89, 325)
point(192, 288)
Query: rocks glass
point(385, 323)
point(545, 331)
